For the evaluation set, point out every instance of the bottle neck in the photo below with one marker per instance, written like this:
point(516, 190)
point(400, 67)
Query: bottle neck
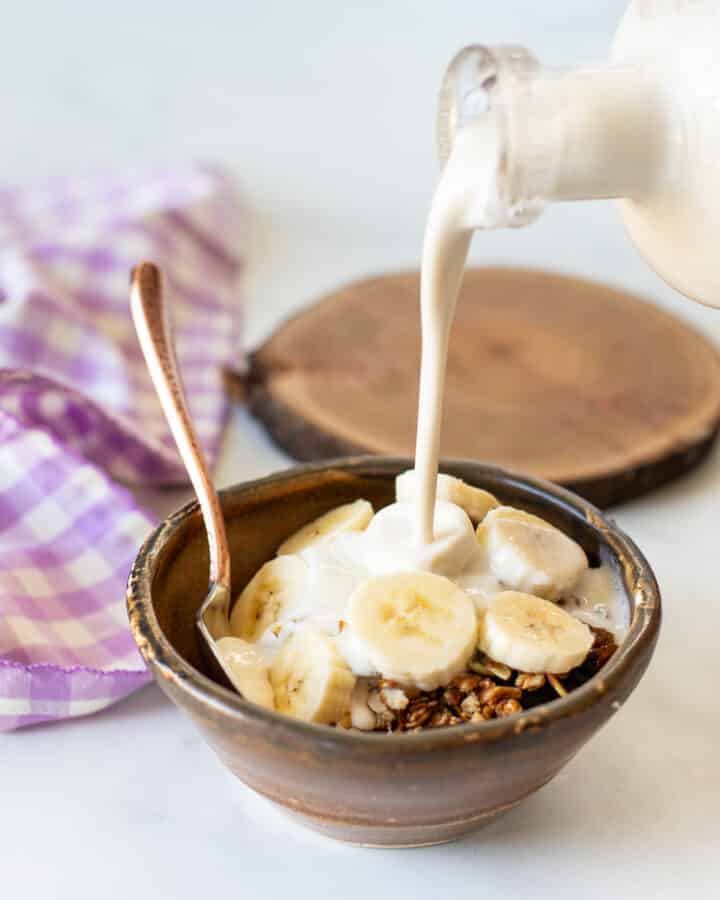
point(595, 133)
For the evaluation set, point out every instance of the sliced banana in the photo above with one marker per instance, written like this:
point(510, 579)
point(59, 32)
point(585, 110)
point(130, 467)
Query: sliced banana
point(310, 679)
point(349, 517)
point(248, 668)
point(475, 501)
point(276, 592)
point(417, 628)
point(528, 554)
point(530, 634)
point(390, 545)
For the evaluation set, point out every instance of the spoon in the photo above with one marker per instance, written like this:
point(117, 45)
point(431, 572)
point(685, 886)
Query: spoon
point(154, 332)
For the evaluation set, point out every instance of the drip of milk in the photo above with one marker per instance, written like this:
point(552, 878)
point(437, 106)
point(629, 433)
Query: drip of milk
point(466, 193)
point(597, 599)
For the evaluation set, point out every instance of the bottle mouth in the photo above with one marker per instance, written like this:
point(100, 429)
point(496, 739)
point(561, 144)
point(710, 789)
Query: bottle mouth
point(478, 80)
point(483, 80)
point(465, 92)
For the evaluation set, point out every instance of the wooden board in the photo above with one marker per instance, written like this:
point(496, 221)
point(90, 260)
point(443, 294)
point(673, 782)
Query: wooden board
point(552, 376)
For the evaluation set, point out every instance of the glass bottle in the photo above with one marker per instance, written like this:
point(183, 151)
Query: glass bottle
point(643, 128)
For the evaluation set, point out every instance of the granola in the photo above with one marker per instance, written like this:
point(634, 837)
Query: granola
point(489, 691)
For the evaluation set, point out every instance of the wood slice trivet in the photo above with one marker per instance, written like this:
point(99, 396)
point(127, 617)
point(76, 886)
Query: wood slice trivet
point(551, 376)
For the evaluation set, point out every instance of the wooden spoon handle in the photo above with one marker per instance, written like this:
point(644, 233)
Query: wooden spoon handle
point(153, 329)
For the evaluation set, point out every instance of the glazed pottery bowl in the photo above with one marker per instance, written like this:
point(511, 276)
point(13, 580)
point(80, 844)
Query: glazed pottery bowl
point(375, 789)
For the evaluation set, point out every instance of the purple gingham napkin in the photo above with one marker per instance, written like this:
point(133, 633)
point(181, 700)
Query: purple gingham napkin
point(68, 537)
point(78, 413)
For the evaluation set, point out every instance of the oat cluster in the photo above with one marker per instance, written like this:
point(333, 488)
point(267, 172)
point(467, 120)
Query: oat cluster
point(490, 690)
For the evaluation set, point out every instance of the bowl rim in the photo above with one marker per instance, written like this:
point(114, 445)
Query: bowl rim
point(164, 660)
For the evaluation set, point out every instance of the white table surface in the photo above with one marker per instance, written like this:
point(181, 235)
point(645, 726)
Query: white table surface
point(325, 113)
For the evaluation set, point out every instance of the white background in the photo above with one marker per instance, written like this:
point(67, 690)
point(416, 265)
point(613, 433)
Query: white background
point(325, 113)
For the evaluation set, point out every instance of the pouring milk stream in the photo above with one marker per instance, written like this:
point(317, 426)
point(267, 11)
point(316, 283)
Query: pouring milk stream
point(513, 135)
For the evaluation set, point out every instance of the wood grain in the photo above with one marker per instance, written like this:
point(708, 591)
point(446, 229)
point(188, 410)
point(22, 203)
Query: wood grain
point(552, 376)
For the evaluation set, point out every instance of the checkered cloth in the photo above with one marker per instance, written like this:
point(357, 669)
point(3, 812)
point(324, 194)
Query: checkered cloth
point(78, 413)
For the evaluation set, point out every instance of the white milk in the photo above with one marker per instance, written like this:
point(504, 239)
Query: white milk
point(465, 199)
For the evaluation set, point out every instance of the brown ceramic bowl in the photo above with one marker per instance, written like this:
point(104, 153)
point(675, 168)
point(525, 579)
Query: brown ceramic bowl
point(374, 789)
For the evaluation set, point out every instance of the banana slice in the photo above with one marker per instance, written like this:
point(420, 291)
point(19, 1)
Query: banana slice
point(416, 628)
point(310, 679)
point(475, 501)
point(530, 634)
point(529, 554)
point(349, 517)
point(389, 545)
point(248, 669)
point(276, 592)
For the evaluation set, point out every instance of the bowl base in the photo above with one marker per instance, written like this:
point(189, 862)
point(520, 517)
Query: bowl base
point(393, 836)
